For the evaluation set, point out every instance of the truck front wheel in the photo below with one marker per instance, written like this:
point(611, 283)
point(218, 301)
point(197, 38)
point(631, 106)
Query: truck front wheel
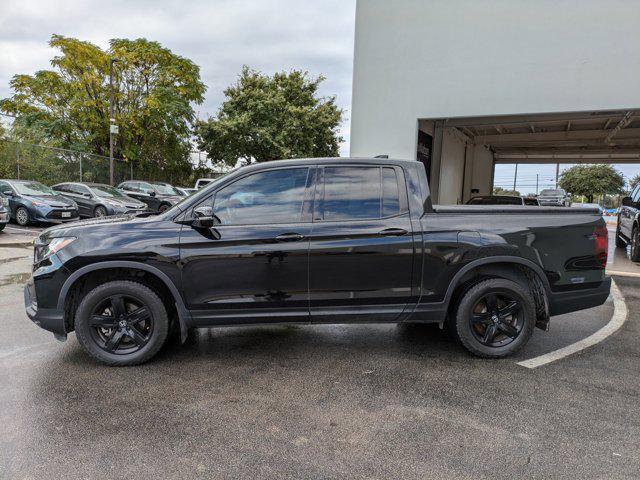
point(495, 318)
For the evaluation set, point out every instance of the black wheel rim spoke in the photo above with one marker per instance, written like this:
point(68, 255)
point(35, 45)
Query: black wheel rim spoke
point(103, 321)
point(510, 309)
point(113, 341)
point(491, 300)
point(136, 336)
point(117, 305)
point(139, 315)
point(489, 334)
point(509, 330)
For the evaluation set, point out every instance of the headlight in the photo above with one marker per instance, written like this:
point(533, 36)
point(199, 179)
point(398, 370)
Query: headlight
point(112, 203)
point(38, 204)
point(45, 250)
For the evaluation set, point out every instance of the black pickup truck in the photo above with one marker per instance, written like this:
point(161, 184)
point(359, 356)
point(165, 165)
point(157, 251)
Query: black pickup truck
point(317, 241)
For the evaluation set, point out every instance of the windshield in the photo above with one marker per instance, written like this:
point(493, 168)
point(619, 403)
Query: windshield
point(165, 189)
point(33, 188)
point(107, 191)
point(552, 192)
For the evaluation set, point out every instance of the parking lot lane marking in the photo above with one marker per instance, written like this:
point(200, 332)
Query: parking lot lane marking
point(22, 230)
point(623, 274)
point(617, 320)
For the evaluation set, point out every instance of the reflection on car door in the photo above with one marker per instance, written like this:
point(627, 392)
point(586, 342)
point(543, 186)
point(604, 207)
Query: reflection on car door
point(253, 264)
point(361, 246)
point(78, 193)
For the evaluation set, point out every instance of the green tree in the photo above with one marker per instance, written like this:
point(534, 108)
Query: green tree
point(502, 191)
point(590, 180)
point(634, 182)
point(68, 106)
point(269, 118)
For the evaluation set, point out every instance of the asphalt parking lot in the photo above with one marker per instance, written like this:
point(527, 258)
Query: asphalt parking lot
point(365, 401)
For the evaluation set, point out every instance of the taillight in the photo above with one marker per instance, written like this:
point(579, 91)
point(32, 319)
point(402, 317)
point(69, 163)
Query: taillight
point(601, 235)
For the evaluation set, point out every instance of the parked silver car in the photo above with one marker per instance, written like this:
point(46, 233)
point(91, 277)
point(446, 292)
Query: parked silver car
point(554, 197)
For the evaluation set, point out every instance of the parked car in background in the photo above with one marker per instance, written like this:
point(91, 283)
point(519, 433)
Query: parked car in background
point(203, 182)
point(99, 200)
point(589, 205)
point(628, 228)
point(501, 200)
point(317, 241)
point(554, 197)
point(31, 201)
point(4, 211)
point(186, 191)
point(158, 196)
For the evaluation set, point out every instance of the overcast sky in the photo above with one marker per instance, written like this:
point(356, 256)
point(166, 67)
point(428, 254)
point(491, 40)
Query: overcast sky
point(219, 35)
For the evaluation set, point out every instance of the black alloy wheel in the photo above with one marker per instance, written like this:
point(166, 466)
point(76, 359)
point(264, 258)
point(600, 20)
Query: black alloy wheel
point(121, 324)
point(496, 319)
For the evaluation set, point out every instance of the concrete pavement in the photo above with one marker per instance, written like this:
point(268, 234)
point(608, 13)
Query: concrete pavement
point(365, 401)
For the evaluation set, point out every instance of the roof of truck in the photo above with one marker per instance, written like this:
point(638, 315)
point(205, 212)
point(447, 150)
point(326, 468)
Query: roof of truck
point(332, 160)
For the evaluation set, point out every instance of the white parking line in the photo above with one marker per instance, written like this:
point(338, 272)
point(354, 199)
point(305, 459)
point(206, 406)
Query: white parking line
point(623, 274)
point(617, 320)
point(22, 229)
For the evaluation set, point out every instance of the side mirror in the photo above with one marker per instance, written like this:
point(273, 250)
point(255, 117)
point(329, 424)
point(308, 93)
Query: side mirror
point(152, 193)
point(203, 217)
point(8, 193)
point(627, 202)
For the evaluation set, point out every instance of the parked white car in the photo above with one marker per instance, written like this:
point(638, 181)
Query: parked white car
point(554, 197)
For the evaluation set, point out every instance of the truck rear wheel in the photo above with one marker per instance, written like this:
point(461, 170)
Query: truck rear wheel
point(495, 318)
point(634, 254)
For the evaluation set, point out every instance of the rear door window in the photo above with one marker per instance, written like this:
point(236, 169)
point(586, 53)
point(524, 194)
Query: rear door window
point(351, 193)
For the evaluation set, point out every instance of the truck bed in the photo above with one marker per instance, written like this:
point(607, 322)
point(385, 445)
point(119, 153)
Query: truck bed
point(514, 209)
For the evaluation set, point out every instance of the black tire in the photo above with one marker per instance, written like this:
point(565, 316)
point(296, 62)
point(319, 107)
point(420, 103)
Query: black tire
point(163, 208)
point(22, 216)
point(476, 320)
point(113, 343)
point(620, 242)
point(634, 255)
point(99, 212)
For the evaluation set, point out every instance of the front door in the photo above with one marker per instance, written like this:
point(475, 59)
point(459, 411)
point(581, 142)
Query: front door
point(252, 266)
point(361, 247)
point(627, 213)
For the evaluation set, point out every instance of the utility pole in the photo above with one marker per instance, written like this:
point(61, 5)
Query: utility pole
point(515, 178)
point(537, 176)
point(557, 173)
point(113, 128)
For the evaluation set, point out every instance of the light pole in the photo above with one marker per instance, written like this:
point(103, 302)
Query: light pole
point(113, 128)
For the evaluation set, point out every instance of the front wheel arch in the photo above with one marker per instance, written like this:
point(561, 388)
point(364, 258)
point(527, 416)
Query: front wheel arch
point(70, 293)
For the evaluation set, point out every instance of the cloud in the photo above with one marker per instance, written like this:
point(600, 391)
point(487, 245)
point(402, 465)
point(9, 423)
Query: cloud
point(219, 35)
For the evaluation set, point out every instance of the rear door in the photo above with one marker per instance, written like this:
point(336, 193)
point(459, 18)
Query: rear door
point(361, 245)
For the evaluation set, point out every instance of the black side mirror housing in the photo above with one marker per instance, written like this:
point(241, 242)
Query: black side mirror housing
point(8, 193)
point(627, 202)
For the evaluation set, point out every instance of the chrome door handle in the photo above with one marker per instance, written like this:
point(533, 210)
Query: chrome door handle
point(289, 237)
point(392, 232)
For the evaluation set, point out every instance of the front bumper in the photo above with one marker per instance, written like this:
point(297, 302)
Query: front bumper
point(50, 319)
point(54, 215)
point(574, 300)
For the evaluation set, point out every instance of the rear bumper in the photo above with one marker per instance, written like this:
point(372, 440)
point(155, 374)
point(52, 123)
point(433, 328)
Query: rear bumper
point(572, 301)
point(50, 319)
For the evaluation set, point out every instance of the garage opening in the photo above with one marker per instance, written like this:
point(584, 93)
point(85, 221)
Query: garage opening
point(460, 154)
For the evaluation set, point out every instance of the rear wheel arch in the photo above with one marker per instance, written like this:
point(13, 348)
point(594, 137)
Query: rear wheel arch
point(522, 271)
point(90, 276)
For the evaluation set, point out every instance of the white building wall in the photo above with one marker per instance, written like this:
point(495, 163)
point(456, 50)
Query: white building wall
point(447, 58)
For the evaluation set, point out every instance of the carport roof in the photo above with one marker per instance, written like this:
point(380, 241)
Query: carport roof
point(579, 137)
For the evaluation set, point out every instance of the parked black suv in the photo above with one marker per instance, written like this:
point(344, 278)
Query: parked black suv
point(158, 196)
point(99, 200)
point(628, 229)
point(317, 241)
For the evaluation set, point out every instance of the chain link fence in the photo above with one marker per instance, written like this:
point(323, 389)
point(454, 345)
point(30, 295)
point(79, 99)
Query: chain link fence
point(51, 165)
